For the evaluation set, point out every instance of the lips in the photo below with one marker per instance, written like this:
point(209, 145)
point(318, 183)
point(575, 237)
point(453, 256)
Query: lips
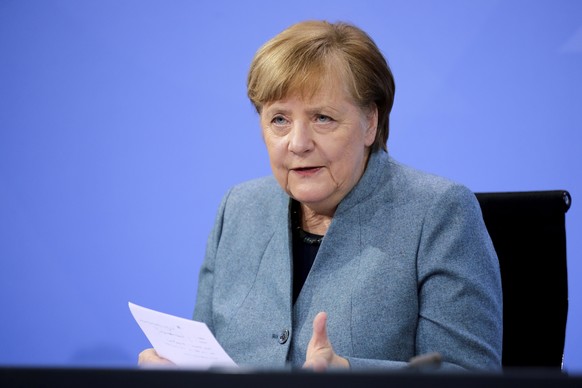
point(306, 170)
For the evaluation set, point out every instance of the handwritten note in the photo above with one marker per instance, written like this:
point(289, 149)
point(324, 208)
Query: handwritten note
point(185, 342)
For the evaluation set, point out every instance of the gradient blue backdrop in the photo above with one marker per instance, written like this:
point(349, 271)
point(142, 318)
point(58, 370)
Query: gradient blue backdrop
point(122, 123)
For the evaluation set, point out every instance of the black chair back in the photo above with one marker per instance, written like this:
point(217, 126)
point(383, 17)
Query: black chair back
point(529, 234)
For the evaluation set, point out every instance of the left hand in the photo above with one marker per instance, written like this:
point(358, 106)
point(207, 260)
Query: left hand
point(320, 354)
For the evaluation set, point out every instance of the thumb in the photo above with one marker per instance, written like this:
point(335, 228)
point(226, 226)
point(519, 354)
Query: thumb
point(320, 354)
point(319, 338)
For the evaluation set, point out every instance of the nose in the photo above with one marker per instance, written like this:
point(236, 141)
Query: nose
point(300, 138)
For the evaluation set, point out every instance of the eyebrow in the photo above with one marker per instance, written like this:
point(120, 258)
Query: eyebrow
point(319, 109)
point(274, 109)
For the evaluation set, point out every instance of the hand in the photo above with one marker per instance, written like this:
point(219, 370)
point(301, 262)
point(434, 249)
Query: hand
point(149, 357)
point(320, 354)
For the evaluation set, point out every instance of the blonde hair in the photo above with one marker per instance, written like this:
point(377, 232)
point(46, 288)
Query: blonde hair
point(303, 57)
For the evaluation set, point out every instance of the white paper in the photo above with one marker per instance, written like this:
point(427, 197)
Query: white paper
point(185, 342)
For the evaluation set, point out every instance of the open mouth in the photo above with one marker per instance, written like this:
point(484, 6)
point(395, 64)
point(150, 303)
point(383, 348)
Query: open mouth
point(306, 170)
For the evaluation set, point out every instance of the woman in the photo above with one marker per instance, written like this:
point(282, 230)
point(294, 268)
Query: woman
point(346, 258)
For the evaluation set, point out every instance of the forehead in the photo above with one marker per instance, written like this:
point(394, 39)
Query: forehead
point(282, 76)
point(317, 87)
point(328, 95)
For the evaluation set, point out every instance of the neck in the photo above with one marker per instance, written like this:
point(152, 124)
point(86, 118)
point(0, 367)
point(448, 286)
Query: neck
point(314, 222)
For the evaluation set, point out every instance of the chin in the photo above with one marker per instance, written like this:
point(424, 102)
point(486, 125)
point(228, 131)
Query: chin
point(310, 198)
point(311, 194)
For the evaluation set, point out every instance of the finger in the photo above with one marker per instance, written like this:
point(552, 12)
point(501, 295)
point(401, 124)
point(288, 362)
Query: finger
point(319, 337)
point(150, 357)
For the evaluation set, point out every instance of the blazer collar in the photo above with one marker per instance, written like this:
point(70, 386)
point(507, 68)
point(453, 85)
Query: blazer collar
point(368, 183)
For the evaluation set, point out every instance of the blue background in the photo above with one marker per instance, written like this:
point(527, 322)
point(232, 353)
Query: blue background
point(122, 123)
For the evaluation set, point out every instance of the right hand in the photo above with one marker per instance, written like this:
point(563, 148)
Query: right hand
point(149, 357)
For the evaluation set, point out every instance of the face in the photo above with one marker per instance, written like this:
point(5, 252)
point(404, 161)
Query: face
point(318, 146)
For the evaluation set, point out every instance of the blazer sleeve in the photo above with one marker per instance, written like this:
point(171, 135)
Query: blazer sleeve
point(203, 308)
point(459, 287)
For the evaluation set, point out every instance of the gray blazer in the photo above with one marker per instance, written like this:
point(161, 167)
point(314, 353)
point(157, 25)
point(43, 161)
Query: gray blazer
point(406, 268)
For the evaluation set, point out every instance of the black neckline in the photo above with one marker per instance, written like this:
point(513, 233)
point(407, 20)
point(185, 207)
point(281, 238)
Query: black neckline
point(304, 236)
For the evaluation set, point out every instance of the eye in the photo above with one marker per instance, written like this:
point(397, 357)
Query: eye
point(323, 119)
point(279, 120)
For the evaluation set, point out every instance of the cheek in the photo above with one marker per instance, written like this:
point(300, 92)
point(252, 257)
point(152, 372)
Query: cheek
point(343, 150)
point(277, 161)
point(276, 150)
point(348, 159)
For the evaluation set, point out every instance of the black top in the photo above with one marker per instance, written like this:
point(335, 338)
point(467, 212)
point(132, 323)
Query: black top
point(305, 247)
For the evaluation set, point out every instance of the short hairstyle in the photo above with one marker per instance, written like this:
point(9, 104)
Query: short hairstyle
point(301, 58)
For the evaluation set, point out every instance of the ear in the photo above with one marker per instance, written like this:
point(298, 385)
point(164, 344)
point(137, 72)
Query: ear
point(371, 124)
